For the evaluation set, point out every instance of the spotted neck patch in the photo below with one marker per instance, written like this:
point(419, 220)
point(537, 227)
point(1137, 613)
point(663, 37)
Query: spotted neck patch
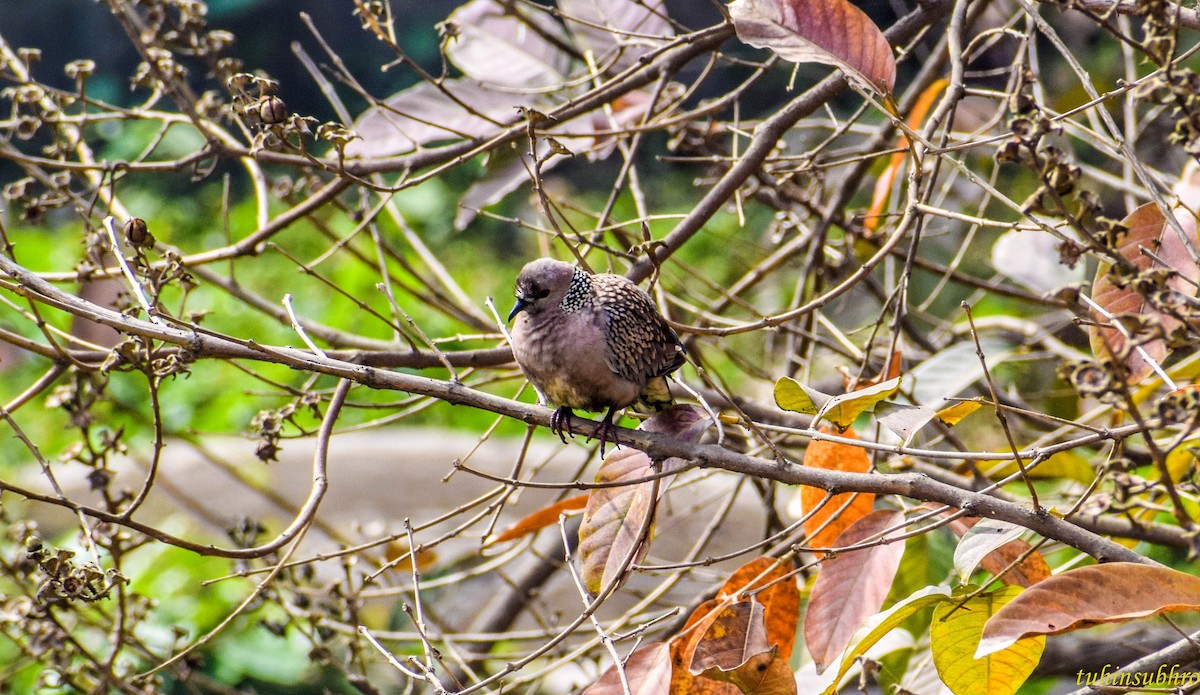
point(579, 292)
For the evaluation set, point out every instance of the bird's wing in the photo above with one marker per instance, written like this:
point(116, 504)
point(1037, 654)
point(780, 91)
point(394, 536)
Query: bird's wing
point(639, 345)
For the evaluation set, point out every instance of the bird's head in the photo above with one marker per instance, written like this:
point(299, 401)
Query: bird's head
point(542, 284)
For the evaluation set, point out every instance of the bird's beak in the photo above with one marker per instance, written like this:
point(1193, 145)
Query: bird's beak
point(517, 308)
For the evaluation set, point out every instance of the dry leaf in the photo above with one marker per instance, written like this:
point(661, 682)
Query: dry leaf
point(1148, 229)
point(764, 580)
point(683, 647)
point(1114, 592)
point(735, 649)
point(777, 592)
point(615, 529)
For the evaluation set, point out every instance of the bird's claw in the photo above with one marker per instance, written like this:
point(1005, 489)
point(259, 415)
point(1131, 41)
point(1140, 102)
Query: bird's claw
point(559, 422)
point(605, 431)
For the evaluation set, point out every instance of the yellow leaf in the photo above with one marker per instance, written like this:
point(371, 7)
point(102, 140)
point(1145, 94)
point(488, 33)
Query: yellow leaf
point(955, 633)
point(954, 414)
point(790, 395)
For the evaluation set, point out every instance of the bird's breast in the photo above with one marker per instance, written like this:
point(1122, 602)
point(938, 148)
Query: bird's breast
point(563, 354)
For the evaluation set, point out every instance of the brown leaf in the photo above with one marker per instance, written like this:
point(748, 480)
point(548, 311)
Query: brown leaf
point(766, 674)
point(615, 528)
point(831, 32)
point(1113, 592)
point(683, 647)
point(647, 671)
point(1026, 573)
point(735, 634)
point(851, 587)
point(546, 516)
point(834, 456)
point(1148, 229)
point(780, 598)
point(734, 649)
point(614, 531)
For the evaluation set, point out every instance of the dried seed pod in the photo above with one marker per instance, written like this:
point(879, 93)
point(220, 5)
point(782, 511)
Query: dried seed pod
point(1088, 378)
point(1179, 406)
point(272, 110)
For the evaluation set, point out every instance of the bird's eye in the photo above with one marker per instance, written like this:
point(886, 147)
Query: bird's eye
point(535, 291)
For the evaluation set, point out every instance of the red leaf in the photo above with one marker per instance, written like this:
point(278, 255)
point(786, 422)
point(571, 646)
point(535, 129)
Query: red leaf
point(647, 671)
point(1114, 592)
point(851, 587)
point(831, 32)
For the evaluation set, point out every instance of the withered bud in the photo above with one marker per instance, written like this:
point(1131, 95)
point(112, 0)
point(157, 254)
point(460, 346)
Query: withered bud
point(137, 234)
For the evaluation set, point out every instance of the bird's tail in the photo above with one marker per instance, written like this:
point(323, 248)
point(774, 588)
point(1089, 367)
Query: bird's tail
point(655, 397)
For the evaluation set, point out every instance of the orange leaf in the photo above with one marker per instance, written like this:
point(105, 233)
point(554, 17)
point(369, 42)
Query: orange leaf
point(546, 516)
point(851, 587)
point(1114, 592)
point(883, 187)
point(831, 32)
point(828, 522)
point(890, 371)
point(1026, 573)
point(647, 671)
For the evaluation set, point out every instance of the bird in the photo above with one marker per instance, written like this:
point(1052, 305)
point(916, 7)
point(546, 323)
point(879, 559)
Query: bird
point(591, 342)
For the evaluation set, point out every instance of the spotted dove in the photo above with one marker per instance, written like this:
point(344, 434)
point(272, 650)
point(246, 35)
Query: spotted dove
point(592, 342)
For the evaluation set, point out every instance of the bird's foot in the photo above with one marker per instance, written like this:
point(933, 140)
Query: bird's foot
point(559, 422)
point(605, 431)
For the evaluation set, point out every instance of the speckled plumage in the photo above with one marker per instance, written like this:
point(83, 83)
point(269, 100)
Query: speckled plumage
point(592, 342)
